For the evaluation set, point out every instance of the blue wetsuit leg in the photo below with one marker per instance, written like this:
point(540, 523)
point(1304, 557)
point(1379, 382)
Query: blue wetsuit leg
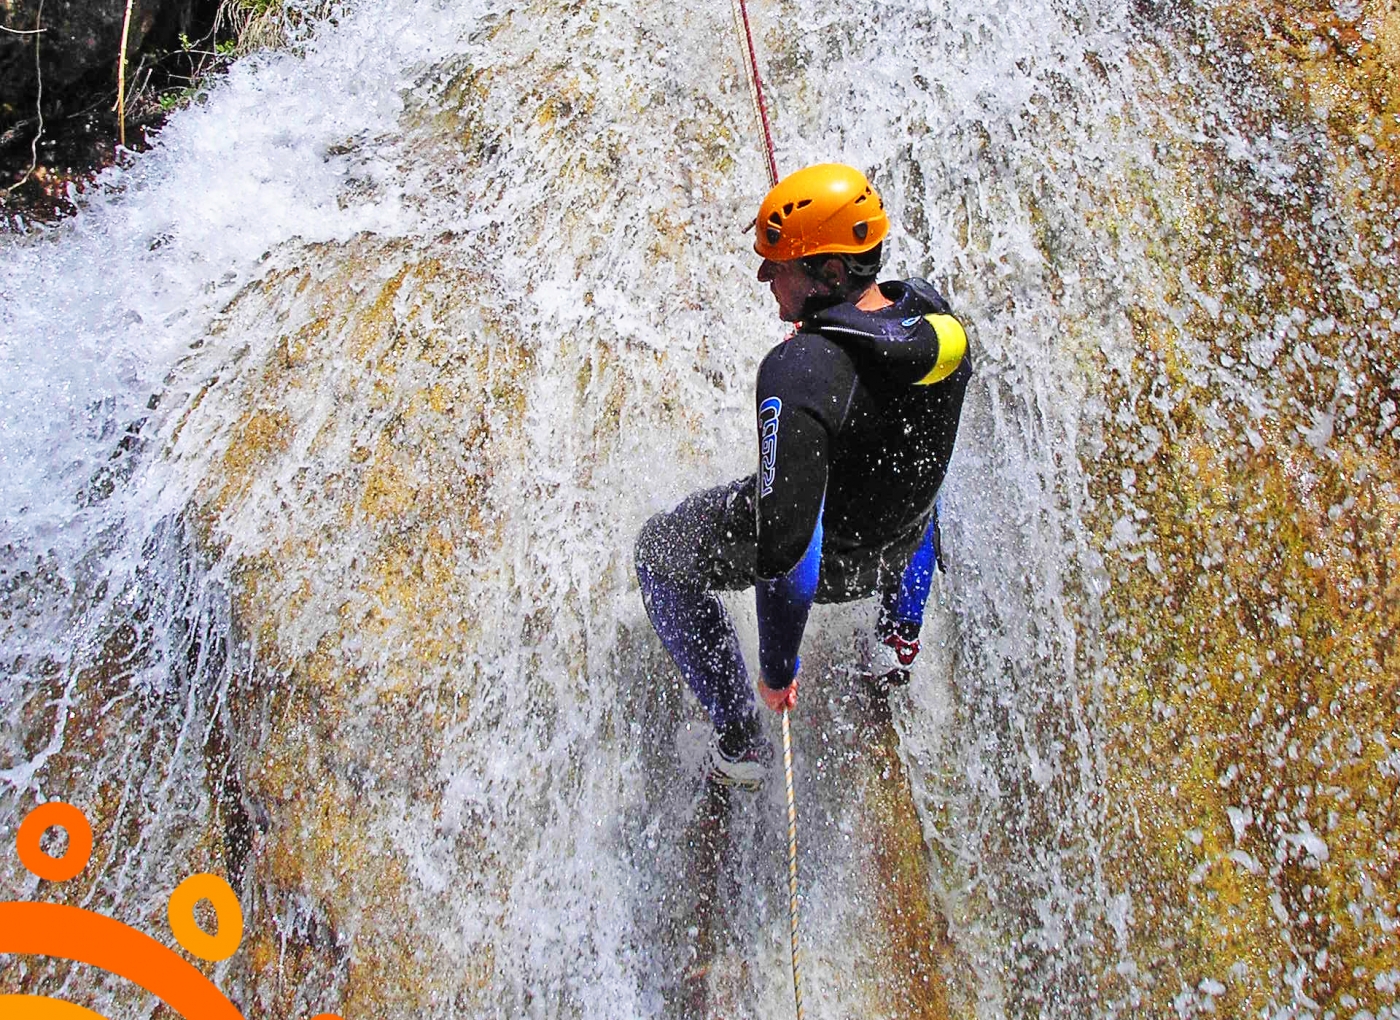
point(683, 558)
point(904, 608)
point(697, 631)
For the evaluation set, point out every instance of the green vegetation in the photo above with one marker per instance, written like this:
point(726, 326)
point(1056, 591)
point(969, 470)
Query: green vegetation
point(239, 27)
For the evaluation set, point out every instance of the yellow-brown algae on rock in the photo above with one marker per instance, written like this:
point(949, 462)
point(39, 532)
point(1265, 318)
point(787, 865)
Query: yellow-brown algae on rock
point(405, 490)
point(1247, 503)
point(912, 929)
point(342, 646)
point(117, 766)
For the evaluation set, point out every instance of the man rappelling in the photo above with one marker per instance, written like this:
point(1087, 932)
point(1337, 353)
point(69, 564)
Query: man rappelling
point(857, 413)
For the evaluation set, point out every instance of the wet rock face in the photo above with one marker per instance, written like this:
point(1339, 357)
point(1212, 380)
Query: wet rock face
point(1248, 509)
point(421, 721)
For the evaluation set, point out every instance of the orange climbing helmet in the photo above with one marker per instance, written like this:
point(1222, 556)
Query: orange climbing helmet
point(827, 208)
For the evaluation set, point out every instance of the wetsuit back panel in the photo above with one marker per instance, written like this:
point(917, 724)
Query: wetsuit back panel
point(855, 428)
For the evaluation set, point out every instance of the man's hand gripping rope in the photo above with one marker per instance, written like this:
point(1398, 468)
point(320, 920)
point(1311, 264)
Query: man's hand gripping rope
point(779, 698)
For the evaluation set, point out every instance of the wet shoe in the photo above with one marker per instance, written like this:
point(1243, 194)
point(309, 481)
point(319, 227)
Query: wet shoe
point(885, 661)
point(741, 755)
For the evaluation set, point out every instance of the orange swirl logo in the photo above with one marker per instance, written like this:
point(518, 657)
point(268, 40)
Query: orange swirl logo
point(71, 933)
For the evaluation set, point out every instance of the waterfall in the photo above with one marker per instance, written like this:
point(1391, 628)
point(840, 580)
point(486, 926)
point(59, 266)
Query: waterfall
point(330, 421)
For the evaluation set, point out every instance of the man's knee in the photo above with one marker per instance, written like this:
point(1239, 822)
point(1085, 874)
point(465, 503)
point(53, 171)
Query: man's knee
point(704, 544)
point(665, 552)
point(647, 553)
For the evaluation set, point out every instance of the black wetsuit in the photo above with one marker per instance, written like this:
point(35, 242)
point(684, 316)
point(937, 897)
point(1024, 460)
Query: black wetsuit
point(857, 416)
point(856, 427)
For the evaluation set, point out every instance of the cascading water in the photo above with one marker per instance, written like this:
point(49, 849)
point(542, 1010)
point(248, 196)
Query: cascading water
point(329, 424)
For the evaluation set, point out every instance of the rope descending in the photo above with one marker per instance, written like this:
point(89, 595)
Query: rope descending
point(792, 862)
point(741, 22)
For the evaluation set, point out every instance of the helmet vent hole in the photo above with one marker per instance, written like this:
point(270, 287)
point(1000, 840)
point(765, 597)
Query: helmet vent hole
point(776, 219)
point(860, 230)
point(787, 209)
point(774, 235)
point(804, 203)
point(859, 200)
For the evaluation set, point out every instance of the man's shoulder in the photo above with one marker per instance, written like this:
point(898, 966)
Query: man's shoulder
point(907, 299)
point(926, 294)
point(806, 345)
point(806, 358)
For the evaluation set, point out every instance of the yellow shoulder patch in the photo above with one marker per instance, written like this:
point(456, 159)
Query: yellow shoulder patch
point(952, 345)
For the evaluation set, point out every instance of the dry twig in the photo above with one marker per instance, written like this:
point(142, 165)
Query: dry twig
point(121, 80)
point(37, 31)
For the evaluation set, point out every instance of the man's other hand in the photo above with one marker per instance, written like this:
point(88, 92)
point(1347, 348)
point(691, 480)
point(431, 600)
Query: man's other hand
point(783, 697)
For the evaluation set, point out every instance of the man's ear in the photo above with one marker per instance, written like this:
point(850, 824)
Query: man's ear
point(833, 273)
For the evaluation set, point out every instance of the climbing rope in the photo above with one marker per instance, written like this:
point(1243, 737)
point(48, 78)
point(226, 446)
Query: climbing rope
point(792, 863)
point(741, 23)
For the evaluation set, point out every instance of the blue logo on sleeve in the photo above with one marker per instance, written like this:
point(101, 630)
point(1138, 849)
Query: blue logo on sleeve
point(768, 413)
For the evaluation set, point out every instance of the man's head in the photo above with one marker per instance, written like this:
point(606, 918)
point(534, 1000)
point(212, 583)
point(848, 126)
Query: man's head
point(819, 231)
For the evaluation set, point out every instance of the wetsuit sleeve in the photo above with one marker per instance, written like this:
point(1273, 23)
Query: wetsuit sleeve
point(804, 389)
point(783, 605)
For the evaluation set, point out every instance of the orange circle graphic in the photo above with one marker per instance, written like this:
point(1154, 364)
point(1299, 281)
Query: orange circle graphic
point(229, 916)
point(55, 814)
